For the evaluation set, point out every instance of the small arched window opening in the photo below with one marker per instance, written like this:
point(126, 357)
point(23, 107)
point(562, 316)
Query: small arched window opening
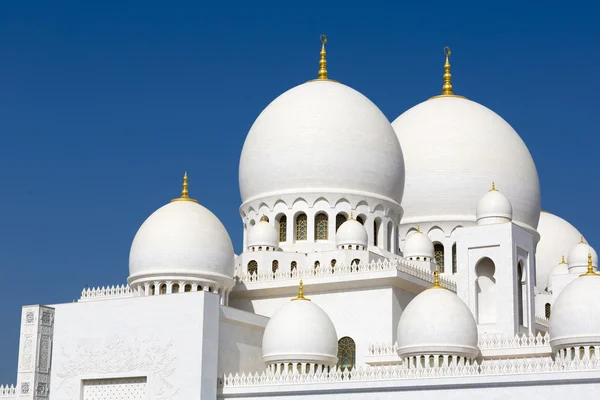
point(282, 228)
point(333, 262)
point(317, 265)
point(438, 253)
point(294, 266)
point(187, 288)
point(175, 288)
point(376, 231)
point(520, 294)
point(354, 264)
point(346, 353)
point(361, 219)
point(275, 266)
point(339, 220)
point(152, 290)
point(548, 309)
point(301, 226)
point(252, 267)
point(321, 226)
point(454, 266)
point(390, 237)
point(163, 289)
point(485, 291)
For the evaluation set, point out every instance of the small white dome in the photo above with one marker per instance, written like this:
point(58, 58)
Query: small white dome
point(578, 258)
point(453, 148)
point(418, 245)
point(300, 332)
point(575, 317)
point(263, 234)
point(321, 136)
point(351, 233)
point(182, 238)
point(560, 269)
point(557, 238)
point(437, 322)
point(493, 207)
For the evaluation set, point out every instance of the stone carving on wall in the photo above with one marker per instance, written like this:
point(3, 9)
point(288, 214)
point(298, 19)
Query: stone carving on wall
point(44, 363)
point(27, 353)
point(128, 356)
point(29, 317)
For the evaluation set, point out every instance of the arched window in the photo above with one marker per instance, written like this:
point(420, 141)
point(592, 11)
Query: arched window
point(346, 353)
point(253, 267)
point(163, 289)
point(520, 295)
point(317, 265)
point(152, 290)
point(187, 288)
point(361, 219)
point(454, 266)
point(301, 226)
point(282, 228)
point(438, 253)
point(333, 262)
point(376, 233)
point(486, 291)
point(275, 266)
point(321, 222)
point(175, 288)
point(339, 220)
point(294, 266)
point(548, 309)
point(354, 264)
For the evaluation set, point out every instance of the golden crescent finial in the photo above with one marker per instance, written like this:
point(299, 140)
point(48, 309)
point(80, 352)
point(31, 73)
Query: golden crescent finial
point(184, 191)
point(301, 293)
point(323, 74)
point(447, 87)
point(323, 39)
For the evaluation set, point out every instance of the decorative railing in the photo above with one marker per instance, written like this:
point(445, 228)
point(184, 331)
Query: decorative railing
point(543, 321)
point(397, 372)
point(343, 269)
point(105, 292)
point(488, 342)
point(383, 349)
point(8, 391)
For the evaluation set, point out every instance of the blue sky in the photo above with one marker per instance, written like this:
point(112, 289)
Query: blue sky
point(104, 105)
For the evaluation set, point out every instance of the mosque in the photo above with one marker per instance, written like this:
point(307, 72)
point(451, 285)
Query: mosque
point(380, 260)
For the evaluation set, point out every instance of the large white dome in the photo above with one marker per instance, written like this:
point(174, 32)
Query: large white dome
point(425, 329)
point(300, 332)
point(575, 317)
point(557, 238)
point(182, 238)
point(453, 149)
point(322, 136)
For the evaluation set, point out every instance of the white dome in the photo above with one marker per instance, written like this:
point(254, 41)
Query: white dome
point(453, 149)
point(300, 332)
point(560, 269)
point(575, 317)
point(493, 207)
point(557, 238)
point(263, 234)
point(578, 257)
point(418, 245)
point(321, 136)
point(437, 322)
point(351, 232)
point(182, 238)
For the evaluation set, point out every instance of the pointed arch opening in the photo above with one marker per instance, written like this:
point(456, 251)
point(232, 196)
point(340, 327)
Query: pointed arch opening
point(253, 267)
point(282, 227)
point(454, 265)
point(346, 353)
point(339, 220)
point(321, 226)
point(438, 255)
point(485, 291)
point(301, 226)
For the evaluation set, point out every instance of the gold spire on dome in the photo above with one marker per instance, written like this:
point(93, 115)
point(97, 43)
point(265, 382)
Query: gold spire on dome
point(184, 191)
point(447, 87)
point(301, 293)
point(582, 241)
point(562, 261)
point(264, 218)
point(436, 279)
point(493, 189)
point(351, 217)
point(590, 270)
point(323, 74)
point(419, 228)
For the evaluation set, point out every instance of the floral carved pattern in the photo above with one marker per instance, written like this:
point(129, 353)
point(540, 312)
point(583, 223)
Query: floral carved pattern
point(27, 356)
point(119, 356)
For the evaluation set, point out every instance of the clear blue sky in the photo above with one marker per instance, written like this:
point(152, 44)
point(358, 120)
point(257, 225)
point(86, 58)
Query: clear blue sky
point(103, 106)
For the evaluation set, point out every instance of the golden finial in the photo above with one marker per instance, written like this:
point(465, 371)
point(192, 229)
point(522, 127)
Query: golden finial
point(184, 191)
point(493, 189)
point(582, 241)
point(562, 261)
point(264, 218)
point(436, 279)
point(351, 217)
point(323, 62)
point(419, 228)
point(301, 293)
point(590, 269)
point(447, 87)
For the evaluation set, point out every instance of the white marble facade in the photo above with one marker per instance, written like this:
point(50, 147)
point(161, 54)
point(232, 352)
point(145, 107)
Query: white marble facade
point(379, 260)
